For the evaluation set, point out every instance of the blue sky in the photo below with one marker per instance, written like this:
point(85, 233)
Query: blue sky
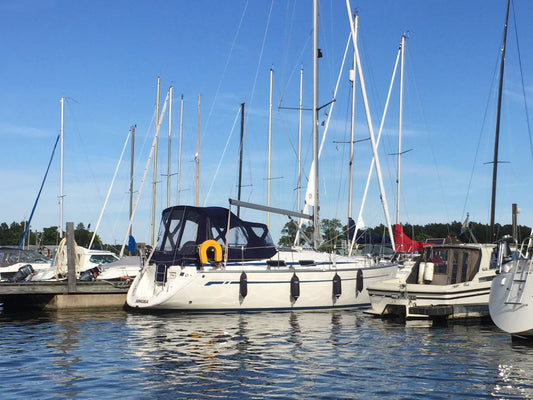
point(105, 57)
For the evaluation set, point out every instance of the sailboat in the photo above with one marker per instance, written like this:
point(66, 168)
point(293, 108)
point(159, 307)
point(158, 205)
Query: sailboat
point(448, 281)
point(208, 259)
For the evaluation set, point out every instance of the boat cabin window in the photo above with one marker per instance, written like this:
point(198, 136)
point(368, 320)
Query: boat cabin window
point(176, 230)
point(190, 232)
point(12, 258)
point(102, 258)
point(237, 236)
point(451, 265)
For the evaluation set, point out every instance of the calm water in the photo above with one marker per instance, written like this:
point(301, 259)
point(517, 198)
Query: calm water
point(322, 355)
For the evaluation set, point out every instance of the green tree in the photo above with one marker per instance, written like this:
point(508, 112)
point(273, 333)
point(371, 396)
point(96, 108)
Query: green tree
point(50, 236)
point(332, 234)
point(289, 231)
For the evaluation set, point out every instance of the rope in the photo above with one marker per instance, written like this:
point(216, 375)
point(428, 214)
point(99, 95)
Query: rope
point(60, 260)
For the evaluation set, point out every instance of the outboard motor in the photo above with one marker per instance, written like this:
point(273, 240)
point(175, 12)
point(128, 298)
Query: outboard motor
point(22, 273)
point(90, 274)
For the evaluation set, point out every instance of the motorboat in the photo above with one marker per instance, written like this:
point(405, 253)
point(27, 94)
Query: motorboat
point(16, 263)
point(88, 263)
point(208, 259)
point(448, 281)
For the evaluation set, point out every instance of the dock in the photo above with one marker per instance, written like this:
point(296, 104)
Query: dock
point(69, 294)
point(57, 295)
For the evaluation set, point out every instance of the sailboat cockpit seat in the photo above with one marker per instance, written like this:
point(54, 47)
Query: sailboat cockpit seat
point(189, 253)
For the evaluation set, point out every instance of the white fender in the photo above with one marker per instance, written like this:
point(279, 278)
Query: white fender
point(421, 268)
point(428, 272)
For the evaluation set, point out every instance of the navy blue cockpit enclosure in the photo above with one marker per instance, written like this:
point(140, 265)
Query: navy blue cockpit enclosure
point(184, 228)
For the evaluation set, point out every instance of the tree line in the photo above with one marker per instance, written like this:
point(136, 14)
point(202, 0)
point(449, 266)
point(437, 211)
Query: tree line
point(11, 235)
point(335, 234)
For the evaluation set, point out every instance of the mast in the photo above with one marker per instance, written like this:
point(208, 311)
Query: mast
point(316, 221)
point(269, 143)
point(240, 158)
point(179, 150)
point(154, 182)
point(300, 103)
point(353, 77)
point(197, 158)
point(62, 101)
point(146, 168)
point(371, 130)
point(171, 89)
point(400, 123)
point(132, 129)
point(497, 133)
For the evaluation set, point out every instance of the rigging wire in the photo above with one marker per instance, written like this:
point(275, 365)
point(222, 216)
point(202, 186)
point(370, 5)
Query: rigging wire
point(523, 85)
point(222, 156)
point(38, 195)
point(491, 89)
point(226, 65)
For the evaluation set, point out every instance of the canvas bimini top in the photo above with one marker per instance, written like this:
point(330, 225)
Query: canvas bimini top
point(184, 228)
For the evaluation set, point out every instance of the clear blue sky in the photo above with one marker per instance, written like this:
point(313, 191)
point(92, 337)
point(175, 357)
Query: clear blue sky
point(104, 58)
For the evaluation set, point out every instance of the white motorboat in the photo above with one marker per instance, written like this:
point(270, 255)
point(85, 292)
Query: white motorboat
point(87, 262)
point(512, 292)
point(16, 263)
point(124, 269)
point(448, 281)
point(210, 260)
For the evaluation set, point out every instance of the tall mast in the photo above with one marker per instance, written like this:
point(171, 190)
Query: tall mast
point(269, 143)
point(497, 134)
point(198, 155)
point(132, 129)
point(240, 158)
point(179, 150)
point(300, 104)
point(353, 78)
point(154, 182)
point(371, 129)
point(62, 101)
point(400, 123)
point(171, 89)
point(316, 221)
point(147, 167)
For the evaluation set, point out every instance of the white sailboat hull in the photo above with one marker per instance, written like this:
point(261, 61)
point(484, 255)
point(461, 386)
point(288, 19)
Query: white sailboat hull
point(208, 290)
point(511, 298)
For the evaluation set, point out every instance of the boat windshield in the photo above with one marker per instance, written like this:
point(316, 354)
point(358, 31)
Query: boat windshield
point(12, 256)
point(449, 265)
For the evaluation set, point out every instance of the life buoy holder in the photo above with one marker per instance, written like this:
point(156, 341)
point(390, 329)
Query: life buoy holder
point(202, 250)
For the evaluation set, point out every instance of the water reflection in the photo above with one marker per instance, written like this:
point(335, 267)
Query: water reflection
point(340, 354)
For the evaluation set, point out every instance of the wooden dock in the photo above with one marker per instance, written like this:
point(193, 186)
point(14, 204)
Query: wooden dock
point(58, 296)
point(69, 294)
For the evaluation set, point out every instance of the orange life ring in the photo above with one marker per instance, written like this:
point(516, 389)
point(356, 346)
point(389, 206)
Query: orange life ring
point(202, 250)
